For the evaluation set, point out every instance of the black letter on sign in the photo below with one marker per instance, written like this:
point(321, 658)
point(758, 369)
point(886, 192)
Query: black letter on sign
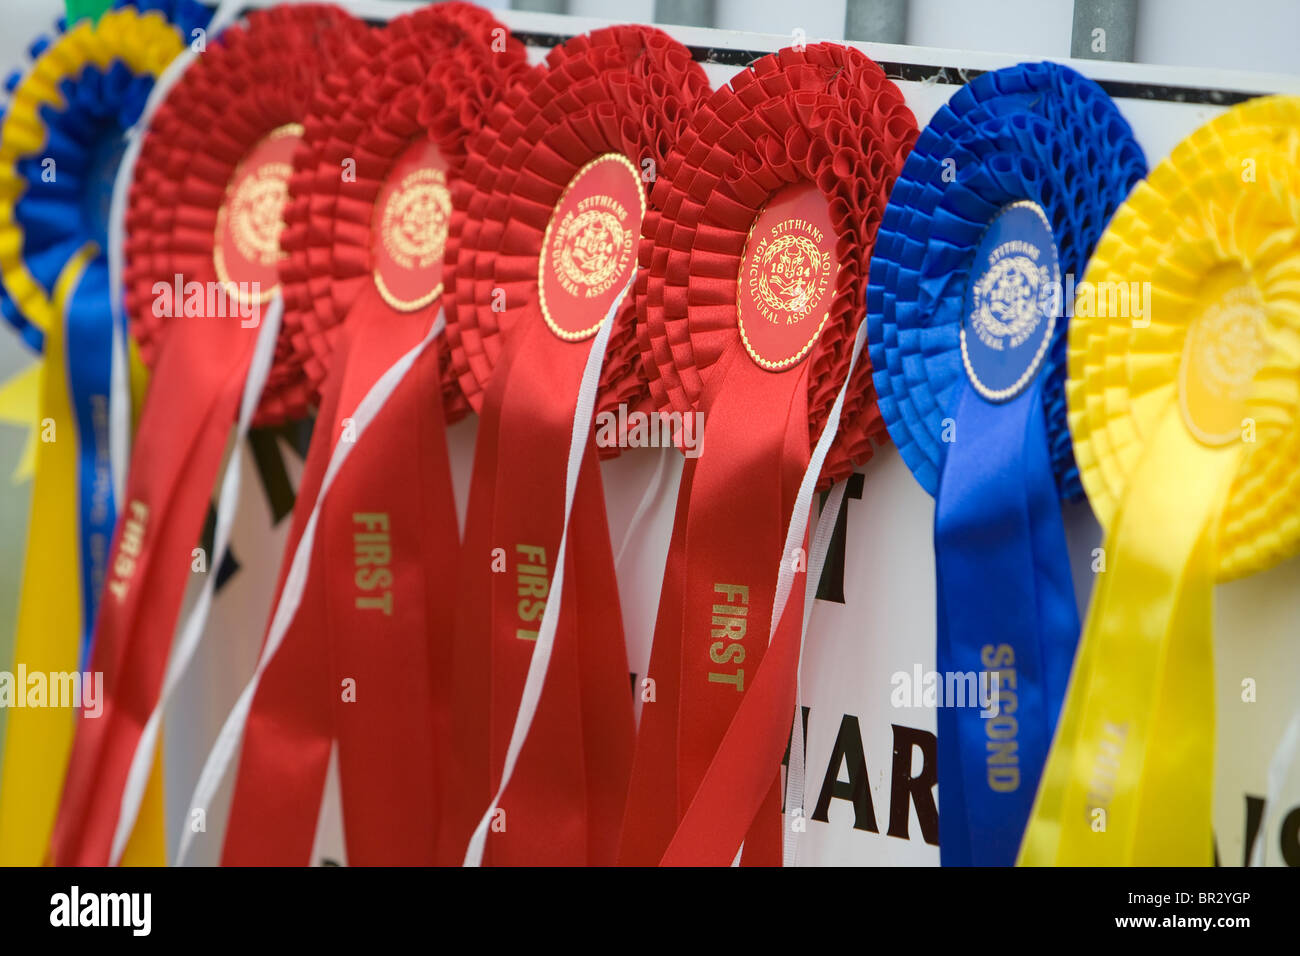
point(1254, 816)
point(831, 586)
point(920, 789)
point(848, 750)
point(1290, 838)
point(785, 761)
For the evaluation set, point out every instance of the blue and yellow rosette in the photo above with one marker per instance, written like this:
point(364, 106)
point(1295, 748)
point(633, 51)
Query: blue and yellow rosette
point(1185, 429)
point(996, 210)
point(61, 141)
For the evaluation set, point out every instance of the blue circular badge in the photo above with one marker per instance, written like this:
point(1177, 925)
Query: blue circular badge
point(1012, 301)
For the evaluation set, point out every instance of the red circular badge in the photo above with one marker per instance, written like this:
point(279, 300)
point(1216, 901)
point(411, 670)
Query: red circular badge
point(589, 250)
point(787, 277)
point(246, 253)
point(409, 234)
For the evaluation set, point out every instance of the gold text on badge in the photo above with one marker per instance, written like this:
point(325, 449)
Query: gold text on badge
point(255, 212)
point(789, 271)
point(415, 219)
point(593, 246)
point(1226, 345)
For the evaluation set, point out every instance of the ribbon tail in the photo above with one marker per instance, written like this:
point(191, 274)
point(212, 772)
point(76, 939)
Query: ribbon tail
point(1130, 773)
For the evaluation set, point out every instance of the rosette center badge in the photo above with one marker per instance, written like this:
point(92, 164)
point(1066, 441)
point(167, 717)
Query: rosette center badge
point(589, 251)
point(409, 234)
point(1011, 302)
point(1226, 346)
point(787, 278)
point(246, 254)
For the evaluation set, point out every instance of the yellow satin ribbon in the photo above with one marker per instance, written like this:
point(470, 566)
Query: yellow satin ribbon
point(1176, 415)
point(19, 400)
point(39, 739)
point(47, 638)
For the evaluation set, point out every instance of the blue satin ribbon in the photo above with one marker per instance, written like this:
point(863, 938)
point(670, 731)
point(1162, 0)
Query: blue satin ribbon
point(85, 140)
point(1003, 593)
point(89, 345)
point(1037, 132)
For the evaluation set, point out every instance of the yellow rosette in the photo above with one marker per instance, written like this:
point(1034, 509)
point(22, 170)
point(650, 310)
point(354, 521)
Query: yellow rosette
point(1184, 408)
point(49, 629)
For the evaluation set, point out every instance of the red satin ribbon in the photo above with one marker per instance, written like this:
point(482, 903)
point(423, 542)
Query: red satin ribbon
point(825, 116)
point(205, 128)
point(565, 800)
point(392, 541)
point(379, 592)
point(562, 797)
point(715, 609)
point(379, 583)
point(184, 426)
point(285, 753)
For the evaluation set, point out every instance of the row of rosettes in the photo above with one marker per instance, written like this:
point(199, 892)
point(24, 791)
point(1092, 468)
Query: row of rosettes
point(513, 136)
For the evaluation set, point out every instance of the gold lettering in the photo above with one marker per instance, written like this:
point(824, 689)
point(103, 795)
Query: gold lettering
point(372, 553)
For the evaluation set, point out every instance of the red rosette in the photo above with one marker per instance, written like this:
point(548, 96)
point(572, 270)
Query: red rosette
point(259, 76)
point(383, 143)
point(825, 115)
point(204, 213)
point(752, 293)
point(629, 90)
point(436, 71)
point(548, 240)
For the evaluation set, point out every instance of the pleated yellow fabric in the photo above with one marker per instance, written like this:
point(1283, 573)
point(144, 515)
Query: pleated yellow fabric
point(1184, 400)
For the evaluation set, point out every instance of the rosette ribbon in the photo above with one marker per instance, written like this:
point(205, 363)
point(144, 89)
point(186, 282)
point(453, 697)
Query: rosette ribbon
point(542, 333)
point(202, 253)
point(1184, 418)
point(367, 587)
point(769, 213)
point(62, 138)
point(994, 214)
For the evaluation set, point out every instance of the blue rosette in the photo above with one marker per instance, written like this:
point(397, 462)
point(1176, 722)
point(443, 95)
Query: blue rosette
point(995, 213)
point(74, 101)
point(1035, 131)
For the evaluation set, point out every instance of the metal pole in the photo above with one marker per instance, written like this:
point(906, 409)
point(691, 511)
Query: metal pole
point(1104, 29)
point(876, 21)
point(686, 13)
point(540, 6)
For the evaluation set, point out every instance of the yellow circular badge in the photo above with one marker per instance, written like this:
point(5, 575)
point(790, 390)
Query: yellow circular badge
point(1192, 301)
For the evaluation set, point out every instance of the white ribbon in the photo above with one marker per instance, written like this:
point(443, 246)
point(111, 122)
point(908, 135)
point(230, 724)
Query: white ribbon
point(785, 581)
point(191, 635)
point(1279, 772)
point(232, 731)
point(541, 659)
